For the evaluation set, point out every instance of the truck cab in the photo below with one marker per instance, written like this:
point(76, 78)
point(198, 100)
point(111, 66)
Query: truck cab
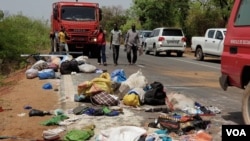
point(80, 20)
point(235, 60)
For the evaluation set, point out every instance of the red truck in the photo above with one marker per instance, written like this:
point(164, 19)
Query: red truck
point(235, 59)
point(81, 20)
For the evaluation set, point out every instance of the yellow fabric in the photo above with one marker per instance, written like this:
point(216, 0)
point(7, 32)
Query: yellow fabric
point(131, 100)
point(62, 37)
point(98, 84)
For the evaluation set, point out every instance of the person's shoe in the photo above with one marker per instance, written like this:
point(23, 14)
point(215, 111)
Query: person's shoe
point(104, 64)
point(99, 63)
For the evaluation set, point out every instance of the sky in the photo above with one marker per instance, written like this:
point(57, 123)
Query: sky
point(41, 9)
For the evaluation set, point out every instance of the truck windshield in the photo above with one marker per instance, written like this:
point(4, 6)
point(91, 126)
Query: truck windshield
point(78, 13)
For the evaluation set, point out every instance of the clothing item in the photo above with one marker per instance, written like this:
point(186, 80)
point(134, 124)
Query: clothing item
point(115, 35)
point(62, 42)
point(101, 38)
point(116, 49)
point(132, 49)
point(63, 46)
point(62, 37)
point(132, 38)
point(101, 58)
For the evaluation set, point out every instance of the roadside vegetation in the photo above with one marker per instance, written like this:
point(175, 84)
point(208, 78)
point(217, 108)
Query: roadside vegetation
point(23, 35)
point(20, 35)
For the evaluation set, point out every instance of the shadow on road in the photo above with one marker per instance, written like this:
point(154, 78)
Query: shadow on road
point(217, 61)
point(235, 117)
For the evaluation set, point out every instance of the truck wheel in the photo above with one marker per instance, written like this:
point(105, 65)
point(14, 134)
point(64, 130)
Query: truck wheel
point(246, 105)
point(199, 54)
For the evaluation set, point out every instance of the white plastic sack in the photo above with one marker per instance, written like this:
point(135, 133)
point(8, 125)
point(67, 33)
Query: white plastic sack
point(31, 73)
point(81, 59)
point(137, 80)
point(40, 65)
point(179, 101)
point(55, 60)
point(88, 68)
point(122, 133)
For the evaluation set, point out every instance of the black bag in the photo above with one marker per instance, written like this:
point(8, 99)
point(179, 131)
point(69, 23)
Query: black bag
point(69, 66)
point(155, 95)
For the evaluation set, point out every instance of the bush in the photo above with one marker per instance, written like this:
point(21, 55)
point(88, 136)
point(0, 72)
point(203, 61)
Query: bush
point(21, 35)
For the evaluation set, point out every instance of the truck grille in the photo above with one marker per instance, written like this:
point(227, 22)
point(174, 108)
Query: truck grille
point(79, 38)
point(79, 30)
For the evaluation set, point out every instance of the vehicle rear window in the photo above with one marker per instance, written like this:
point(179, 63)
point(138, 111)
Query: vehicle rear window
point(242, 16)
point(172, 32)
point(147, 34)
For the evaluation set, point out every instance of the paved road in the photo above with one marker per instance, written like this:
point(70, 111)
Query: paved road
point(195, 79)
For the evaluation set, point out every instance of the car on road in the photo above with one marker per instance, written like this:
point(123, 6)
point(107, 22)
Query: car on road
point(166, 39)
point(143, 35)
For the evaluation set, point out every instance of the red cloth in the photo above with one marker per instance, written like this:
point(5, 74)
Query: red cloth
point(101, 38)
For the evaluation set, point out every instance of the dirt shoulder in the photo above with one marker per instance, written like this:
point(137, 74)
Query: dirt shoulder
point(21, 92)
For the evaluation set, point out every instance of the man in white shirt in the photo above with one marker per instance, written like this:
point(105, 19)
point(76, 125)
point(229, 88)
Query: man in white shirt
point(115, 42)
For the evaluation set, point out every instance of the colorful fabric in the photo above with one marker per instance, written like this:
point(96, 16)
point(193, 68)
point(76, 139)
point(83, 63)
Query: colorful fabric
point(103, 98)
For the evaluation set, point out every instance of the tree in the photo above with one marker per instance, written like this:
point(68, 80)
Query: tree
point(155, 14)
point(1, 14)
point(112, 15)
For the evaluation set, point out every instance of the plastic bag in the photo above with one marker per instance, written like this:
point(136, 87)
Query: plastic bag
point(118, 75)
point(40, 65)
point(96, 85)
point(47, 74)
point(87, 68)
point(137, 80)
point(131, 100)
point(31, 73)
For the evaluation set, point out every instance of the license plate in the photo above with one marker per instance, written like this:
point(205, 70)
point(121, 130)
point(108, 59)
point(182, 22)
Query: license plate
point(173, 42)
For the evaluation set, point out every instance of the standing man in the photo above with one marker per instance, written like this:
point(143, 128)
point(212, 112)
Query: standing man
point(101, 41)
point(62, 41)
point(131, 43)
point(115, 42)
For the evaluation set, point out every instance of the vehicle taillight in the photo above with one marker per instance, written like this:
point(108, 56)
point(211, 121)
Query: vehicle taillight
point(161, 39)
point(184, 39)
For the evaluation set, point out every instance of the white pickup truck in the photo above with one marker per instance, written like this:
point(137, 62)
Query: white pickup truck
point(210, 45)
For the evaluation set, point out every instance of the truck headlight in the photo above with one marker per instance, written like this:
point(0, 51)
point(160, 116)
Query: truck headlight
point(93, 39)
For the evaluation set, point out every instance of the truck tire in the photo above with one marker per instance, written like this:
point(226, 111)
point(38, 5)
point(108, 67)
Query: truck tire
point(199, 54)
point(246, 105)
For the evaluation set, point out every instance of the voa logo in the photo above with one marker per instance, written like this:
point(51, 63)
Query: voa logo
point(236, 132)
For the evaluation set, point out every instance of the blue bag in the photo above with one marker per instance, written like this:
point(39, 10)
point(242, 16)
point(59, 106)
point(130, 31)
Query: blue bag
point(118, 75)
point(46, 74)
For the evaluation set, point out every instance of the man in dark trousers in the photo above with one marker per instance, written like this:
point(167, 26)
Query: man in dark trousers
point(131, 43)
point(115, 42)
